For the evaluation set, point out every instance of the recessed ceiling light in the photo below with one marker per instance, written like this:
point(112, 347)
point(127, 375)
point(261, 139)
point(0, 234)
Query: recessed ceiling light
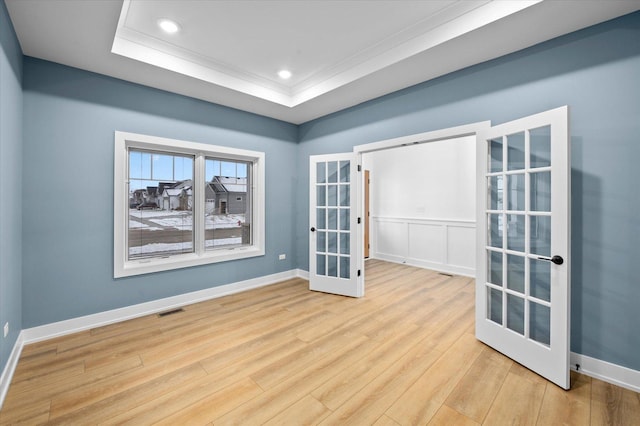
point(168, 26)
point(284, 74)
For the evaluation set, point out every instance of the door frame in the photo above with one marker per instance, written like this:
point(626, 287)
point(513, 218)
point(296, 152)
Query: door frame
point(471, 129)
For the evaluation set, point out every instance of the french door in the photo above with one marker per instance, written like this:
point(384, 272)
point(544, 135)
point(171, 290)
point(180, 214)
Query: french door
point(335, 256)
point(522, 278)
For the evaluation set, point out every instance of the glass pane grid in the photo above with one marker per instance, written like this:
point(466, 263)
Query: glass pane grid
point(510, 301)
point(333, 219)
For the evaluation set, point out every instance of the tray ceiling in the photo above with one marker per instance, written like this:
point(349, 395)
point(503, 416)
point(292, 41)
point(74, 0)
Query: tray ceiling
point(339, 53)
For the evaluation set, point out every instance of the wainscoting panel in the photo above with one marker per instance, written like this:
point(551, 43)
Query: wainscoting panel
point(426, 242)
point(443, 245)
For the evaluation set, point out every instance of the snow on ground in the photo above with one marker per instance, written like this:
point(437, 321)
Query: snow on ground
point(177, 247)
point(134, 224)
point(180, 220)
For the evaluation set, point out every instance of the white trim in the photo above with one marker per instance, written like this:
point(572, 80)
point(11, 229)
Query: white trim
point(122, 267)
point(10, 367)
point(438, 267)
point(606, 371)
point(433, 136)
point(301, 273)
point(74, 325)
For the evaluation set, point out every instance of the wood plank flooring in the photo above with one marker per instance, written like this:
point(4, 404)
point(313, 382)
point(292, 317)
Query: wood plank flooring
point(283, 355)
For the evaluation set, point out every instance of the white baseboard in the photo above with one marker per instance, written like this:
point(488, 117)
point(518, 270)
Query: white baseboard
point(74, 325)
point(607, 372)
point(10, 367)
point(440, 267)
point(303, 274)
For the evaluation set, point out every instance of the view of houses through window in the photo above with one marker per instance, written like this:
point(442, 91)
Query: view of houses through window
point(227, 203)
point(161, 203)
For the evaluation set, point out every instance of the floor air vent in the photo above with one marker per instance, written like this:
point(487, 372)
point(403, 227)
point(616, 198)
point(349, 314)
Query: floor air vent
point(174, 311)
point(445, 274)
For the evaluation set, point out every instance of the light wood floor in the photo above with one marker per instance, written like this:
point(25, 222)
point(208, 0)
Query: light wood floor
point(404, 354)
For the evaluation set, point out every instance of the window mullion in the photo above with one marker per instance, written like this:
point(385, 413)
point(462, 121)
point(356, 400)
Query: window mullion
point(199, 204)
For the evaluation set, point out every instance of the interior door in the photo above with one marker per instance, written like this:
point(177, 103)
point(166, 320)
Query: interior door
point(522, 278)
point(335, 256)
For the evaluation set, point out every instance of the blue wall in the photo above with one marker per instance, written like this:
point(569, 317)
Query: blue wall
point(596, 72)
point(10, 185)
point(70, 119)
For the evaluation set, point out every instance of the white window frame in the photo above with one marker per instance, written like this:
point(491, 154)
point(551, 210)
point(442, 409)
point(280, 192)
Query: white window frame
point(122, 266)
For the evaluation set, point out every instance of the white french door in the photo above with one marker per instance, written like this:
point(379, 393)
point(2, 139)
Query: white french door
point(522, 278)
point(335, 257)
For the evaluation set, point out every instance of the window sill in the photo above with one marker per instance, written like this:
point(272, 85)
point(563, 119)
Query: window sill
point(150, 265)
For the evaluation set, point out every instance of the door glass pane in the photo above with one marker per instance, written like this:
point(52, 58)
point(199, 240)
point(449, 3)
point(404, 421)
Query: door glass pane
point(332, 242)
point(540, 146)
point(332, 198)
point(540, 239)
point(321, 218)
point(344, 243)
point(541, 192)
point(495, 155)
point(332, 170)
point(495, 193)
point(515, 195)
point(515, 151)
point(515, 232)
point(495, 230)
point(344, 195)
point(345, 170)
point(321, 264)
point(515, 273)
point(344, 267)
point(332, 266)
point(321, 192)
point(494, 305)
point(321, 241)
point(494, 272)
point(333, 219)
point(515, 313)
point(321, 172)
point(540, 323)
point(540, 279)
point(344, 219)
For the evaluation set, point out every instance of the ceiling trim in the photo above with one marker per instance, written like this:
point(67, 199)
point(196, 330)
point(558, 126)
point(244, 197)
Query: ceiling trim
point(447, 24)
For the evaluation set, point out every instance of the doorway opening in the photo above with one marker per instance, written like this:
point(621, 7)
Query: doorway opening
point(422, 201)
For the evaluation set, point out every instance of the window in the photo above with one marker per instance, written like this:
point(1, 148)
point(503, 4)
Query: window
point(180, 204)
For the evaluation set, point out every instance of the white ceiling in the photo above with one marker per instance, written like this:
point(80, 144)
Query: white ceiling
point(341, 53)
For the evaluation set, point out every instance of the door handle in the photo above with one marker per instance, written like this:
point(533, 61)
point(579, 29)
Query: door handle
point(558, 260)
point(313, 229)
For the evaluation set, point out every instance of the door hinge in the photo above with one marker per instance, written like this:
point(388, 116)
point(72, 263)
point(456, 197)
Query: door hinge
point(359, 168)
point(359, 220)
point(359, 272)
